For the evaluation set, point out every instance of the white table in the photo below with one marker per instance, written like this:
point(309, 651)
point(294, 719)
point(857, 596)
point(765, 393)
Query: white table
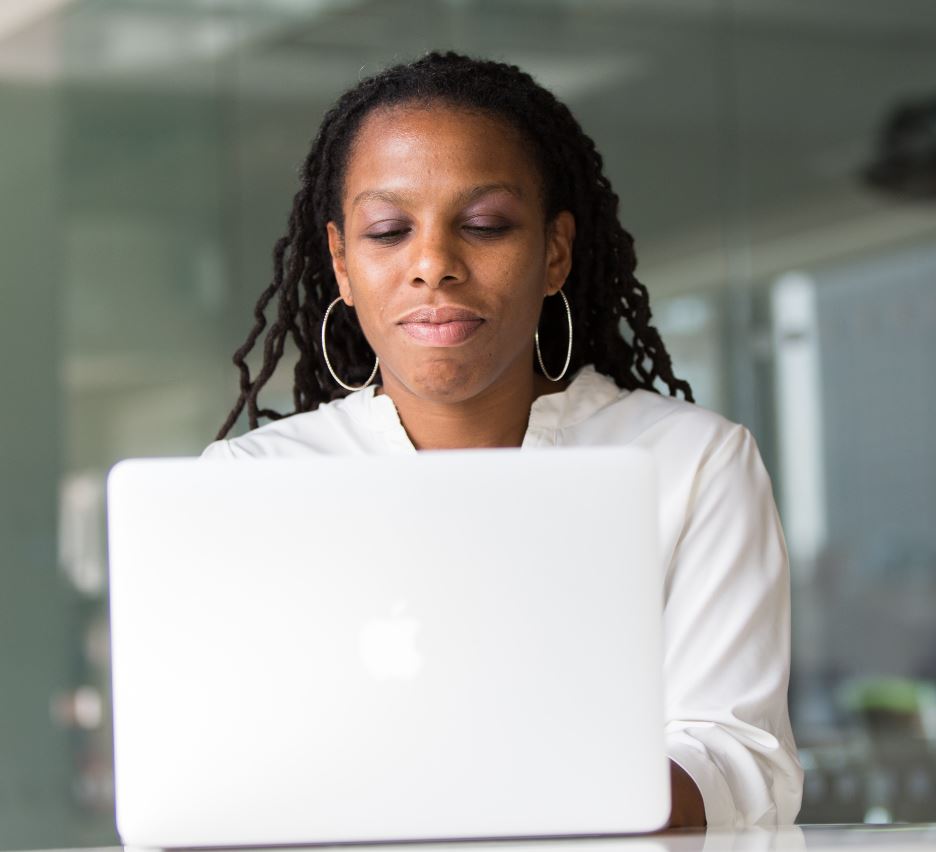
point(814, 838)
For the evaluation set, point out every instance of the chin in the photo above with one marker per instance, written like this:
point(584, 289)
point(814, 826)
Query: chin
point(445, 380)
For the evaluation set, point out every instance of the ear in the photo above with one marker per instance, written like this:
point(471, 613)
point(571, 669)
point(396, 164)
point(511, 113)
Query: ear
point(560, 236)
point(336, 249)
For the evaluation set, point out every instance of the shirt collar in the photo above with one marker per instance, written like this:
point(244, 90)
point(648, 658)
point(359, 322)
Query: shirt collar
point(588, 392)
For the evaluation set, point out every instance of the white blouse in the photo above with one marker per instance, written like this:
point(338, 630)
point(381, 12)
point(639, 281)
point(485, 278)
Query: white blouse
point(726, 616)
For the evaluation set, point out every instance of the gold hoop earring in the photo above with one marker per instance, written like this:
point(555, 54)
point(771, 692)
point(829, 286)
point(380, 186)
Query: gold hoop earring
point(539, 355)
point(328, 362)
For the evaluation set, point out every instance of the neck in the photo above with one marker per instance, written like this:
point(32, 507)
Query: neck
point(497, 417)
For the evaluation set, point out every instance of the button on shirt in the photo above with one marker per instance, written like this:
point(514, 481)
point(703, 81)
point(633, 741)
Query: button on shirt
point(726, 614)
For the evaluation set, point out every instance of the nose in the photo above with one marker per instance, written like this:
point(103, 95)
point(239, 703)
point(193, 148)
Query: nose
point(437, 259)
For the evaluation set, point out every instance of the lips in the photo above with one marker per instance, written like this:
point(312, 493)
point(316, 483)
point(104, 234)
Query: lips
point(441, 326)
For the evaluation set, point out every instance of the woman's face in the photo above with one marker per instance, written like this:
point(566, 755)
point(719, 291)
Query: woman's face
point(445, 253)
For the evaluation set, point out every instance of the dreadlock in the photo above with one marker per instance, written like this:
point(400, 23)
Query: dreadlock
point(601, 287)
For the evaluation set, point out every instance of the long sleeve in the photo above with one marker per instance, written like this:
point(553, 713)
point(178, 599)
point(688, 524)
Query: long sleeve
point(727, 644)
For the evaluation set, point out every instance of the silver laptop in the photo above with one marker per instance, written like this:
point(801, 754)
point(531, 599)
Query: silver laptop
point(444, 645)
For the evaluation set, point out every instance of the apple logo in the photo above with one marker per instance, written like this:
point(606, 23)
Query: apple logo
point(388, 646)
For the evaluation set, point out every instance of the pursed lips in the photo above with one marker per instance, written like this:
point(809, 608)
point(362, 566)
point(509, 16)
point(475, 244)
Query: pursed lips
point(441, 326)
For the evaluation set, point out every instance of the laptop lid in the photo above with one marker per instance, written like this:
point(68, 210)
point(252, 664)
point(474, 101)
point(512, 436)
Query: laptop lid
point(436, 646)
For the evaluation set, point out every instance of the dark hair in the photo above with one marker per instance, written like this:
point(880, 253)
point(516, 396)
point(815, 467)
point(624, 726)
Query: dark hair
point(601, 286)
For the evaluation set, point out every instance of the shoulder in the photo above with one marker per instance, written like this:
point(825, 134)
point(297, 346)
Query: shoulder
point(692, 445)
point(334, 427)
point(661, 423)
point(694, 449)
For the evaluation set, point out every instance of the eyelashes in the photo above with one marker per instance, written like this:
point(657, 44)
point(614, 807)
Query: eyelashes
point(386, 236)
point(489, 230)
point(395, 235)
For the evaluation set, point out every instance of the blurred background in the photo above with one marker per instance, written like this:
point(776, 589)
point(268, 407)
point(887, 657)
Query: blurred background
point(776, 161)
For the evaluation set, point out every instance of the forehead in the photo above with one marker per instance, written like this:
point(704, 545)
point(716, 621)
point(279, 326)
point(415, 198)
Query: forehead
point(428, 147)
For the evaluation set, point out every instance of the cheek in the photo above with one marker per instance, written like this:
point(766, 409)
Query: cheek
point(522, 283)
point(375, 288)
point(370, 283)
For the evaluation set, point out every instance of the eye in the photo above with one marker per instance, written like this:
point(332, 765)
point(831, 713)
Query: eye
point(388, 236)
point(487, 229)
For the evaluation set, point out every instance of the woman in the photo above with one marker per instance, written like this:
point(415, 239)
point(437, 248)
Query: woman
point(454, 233)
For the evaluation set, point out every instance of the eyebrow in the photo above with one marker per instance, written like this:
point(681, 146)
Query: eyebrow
point(462, 197)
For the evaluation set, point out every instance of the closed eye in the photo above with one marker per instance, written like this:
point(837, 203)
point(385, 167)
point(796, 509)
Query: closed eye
point(388, 236)
point(487, 231)
point(483, 231)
